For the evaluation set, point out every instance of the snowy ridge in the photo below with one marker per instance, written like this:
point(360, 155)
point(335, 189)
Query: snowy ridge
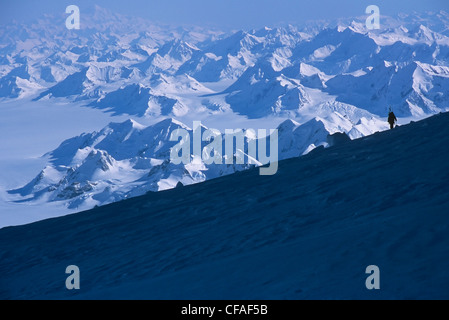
point(311, 230)
point(312, 81)
point(128, 159)
point(122, 160)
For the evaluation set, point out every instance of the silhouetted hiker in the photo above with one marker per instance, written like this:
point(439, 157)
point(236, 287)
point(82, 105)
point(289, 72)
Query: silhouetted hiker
point(391, 119)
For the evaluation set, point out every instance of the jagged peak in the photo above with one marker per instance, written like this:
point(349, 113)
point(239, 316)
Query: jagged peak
point(167, 123)
point(288, 125)
point(125, 126)
point(433, 70)
point(176, 47)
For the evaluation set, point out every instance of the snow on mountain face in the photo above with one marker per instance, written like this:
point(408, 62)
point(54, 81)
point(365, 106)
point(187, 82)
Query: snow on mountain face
point(262, 91)
point(335, 51)
point(128, 159)
point(168, 58)
point(54, 62)
point(122, 160)
point(159, 96)
point(320, 80)
point(18, 82)
point(140, 101)
point(75, 84)
point(276, 96)
point(308, 75)
point(230, 57)
point(223, 59)
point(299, 139)
point(413, 90)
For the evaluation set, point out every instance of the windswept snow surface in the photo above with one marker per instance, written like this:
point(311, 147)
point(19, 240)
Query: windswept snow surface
point(308, 232)
point(59, 86)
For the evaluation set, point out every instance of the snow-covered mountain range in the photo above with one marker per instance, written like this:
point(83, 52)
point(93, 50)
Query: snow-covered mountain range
point(312, 80)
point(128, 159)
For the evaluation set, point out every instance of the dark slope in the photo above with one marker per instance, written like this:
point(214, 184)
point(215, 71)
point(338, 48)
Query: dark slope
point(307, 232)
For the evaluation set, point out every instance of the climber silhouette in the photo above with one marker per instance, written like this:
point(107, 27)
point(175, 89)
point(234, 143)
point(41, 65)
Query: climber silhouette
point(391, 119)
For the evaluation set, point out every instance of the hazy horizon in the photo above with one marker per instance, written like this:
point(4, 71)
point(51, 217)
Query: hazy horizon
point(221, 14)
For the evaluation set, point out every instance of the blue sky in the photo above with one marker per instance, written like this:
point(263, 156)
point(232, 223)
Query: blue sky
point(221, 13)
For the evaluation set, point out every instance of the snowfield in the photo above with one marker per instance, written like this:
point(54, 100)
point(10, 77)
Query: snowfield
point(308, 232)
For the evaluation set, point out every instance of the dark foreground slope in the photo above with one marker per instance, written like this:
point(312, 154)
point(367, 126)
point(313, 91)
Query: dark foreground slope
point(310, 231)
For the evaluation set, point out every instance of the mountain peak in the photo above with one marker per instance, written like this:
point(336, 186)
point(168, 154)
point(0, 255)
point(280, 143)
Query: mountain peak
point(288, 126)
point(124, 128)
point(167, 124)
point(135, 124)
